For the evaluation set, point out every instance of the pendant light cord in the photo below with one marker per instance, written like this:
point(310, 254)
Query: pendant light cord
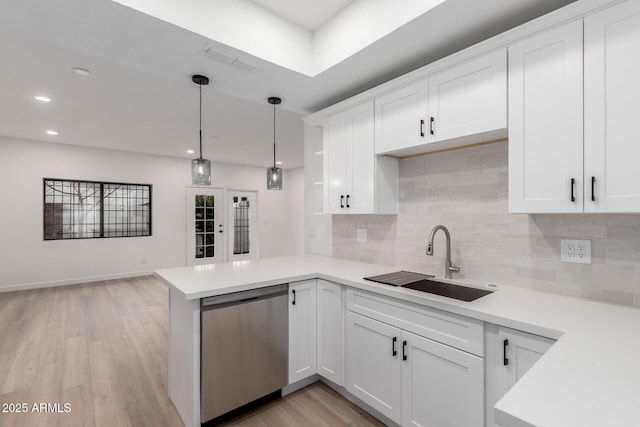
point(200, 121)
point(274, 135)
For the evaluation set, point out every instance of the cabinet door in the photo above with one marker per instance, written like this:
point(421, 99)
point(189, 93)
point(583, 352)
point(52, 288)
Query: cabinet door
point(469, 99)
point(360, 158)
point(400, 118)
point(330, 320)
point(441, 386)
point(545, 122)
point(520, 352)
point(612, 91)
point(373, 371)
point(335, 164)
point(302, 330)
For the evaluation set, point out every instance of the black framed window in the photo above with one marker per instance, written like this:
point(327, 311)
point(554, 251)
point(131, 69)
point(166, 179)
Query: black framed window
point(93, 209)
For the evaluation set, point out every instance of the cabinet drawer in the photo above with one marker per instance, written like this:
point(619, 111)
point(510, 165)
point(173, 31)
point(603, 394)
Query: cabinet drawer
point(451, 329)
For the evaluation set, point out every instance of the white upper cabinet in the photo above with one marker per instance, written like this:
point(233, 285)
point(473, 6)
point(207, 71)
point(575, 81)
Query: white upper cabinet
point(401, 118)
point(355, 180)
point(469, 99)
point(463, 104)
point(545, 122)
point(612, 94)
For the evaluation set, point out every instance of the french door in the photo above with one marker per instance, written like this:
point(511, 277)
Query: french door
point(243, 235)
point(205, 226)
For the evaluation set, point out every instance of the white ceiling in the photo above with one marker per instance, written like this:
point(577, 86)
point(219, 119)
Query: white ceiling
point(140, 96)
point(309, 14)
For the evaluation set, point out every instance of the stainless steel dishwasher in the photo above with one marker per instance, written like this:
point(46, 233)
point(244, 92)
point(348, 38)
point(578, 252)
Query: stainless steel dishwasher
point(244, 347)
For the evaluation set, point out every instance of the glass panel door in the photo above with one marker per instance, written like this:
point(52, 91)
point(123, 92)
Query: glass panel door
point(204, 226)
point(243, 242)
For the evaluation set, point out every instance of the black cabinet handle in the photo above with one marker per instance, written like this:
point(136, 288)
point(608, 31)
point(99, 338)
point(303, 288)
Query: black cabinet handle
point(593, 188)
point(431, 125)
point(573, 184)
point(393, 346)
point(348, 201)
point(421, 127)
point(341, 201)
point(293, 302)
point(505, 361)
point(404, 350)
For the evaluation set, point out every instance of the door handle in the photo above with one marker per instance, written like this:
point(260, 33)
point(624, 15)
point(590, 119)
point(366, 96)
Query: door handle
point(342, 201)
point(404, 350)
point(593, 188)
point(573, 184)
point(505, 361)
point(293, 302)
point(421, 127)
point(348, 200)
point(431, 120)
point(393, 346)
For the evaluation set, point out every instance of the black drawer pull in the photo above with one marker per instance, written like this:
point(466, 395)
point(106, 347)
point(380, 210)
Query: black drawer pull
point(404, 350)
point(431, 125)
point(293, 302)
point(505, 361)
point(593, 188)
point(421, 127)
point(393, 346)
point(348, 201)
point(573, 185)
point(341, 201)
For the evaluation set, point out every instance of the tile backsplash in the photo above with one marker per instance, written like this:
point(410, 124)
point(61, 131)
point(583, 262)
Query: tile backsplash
point(467, 191)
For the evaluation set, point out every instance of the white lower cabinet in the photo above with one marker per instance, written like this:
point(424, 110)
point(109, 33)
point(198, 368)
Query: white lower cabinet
point(520, 351)
point(441, 385)
point(412, 380)
point(302, 330)
point(330, 330)
point(510, 354)
point(374, 364)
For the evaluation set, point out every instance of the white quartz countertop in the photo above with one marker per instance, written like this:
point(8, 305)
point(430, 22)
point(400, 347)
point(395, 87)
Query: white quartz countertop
point(590, 377)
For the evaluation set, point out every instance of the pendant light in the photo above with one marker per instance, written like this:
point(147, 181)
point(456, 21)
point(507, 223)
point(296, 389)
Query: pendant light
point(200, 168)
point(274, 174)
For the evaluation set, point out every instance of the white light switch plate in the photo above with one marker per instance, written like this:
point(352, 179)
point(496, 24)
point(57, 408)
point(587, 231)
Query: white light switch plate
point(578, 251)
point(361, 235)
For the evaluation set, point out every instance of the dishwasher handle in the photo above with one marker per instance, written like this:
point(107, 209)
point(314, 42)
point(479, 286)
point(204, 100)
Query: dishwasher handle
point(219, 301)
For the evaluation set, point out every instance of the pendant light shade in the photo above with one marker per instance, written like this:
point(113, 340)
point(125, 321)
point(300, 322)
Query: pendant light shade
point(274, 174)
point(200, 168)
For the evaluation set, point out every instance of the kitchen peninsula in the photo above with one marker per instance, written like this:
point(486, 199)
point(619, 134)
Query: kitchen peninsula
point(588, 377)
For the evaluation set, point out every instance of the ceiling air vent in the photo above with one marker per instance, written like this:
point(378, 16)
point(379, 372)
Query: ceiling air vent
point(228, 57)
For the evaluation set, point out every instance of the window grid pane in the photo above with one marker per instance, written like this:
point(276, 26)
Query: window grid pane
point(87, 209)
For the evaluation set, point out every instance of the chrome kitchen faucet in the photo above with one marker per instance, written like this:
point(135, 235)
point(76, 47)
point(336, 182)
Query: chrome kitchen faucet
point(449, 267)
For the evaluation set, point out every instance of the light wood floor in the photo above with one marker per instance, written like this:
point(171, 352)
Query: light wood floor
point(102, 347)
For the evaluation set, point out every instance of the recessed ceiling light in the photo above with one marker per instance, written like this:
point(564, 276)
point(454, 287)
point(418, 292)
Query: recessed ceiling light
point(52, 132)
point(42, 98)
point(81, 71)
point(190, 152)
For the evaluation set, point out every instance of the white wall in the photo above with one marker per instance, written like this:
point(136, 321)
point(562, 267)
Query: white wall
point(26, 260)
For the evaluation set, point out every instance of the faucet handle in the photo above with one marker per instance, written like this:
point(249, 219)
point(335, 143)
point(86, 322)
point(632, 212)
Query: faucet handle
point(454, 268)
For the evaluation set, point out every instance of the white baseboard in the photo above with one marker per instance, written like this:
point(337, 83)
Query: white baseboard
point(74, 281)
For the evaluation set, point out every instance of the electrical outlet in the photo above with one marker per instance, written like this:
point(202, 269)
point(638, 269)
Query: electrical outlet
point(361, 235)
point(578, 251)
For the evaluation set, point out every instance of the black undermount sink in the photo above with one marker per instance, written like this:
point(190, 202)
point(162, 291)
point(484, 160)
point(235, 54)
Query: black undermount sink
point(427, 283)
